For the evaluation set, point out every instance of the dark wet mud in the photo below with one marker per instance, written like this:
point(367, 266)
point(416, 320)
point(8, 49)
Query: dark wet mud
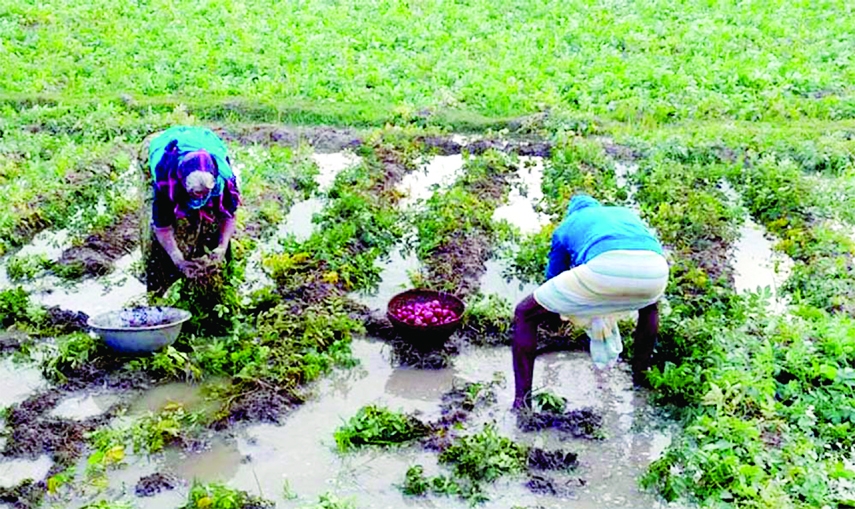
point(153, 484)
point(97, 253)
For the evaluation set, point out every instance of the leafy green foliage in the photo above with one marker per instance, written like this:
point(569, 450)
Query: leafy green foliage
point(220, 496)
point(376, 425)
point(16, 307)
point(330, 501)
point(70, 353)
point(546, 401)
point(104, 504)
point(25, 268)
point(487, 319)
point(485, 456)
point(615, 62)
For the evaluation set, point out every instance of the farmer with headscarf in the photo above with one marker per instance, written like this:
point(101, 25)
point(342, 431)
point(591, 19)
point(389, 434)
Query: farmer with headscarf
point(194, 199)
point(604, 263)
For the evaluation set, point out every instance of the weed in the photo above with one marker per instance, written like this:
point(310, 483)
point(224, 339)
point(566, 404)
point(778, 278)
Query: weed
point(16, 307)
point(379, 426)
point(148, 434)
point(485, 456)
point(105, 504)
point(487, 320)
point(330, 501)
point(25, 268)
point(546, 401)
point(220, 496)
point(71, 353)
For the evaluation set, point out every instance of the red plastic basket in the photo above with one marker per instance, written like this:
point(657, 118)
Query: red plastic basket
point(425, 337)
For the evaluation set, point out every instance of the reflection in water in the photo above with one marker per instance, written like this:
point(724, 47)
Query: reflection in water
point(395, 278)
point(298, 222)
point(756, 265)
point(493, 282)
point(525, 195)
point(440, 171)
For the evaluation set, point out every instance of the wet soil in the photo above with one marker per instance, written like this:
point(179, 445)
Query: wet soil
point(259, 401)
point(33, 432)
point(541, 459)
point(447, 145)
point(27, 495)
point(583, 423)
point(456, 407)
point(153, 484)
point(323, 139)
point(62, 321)
point(545, 485)
point(99, 250)
point(460, 262)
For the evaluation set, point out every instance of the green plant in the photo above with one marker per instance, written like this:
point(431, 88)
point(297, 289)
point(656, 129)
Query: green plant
point(70, 353)
point(26, 267)
point(485, 456)
point(549, 402)
point(220, 496)
point(16, 307)
point(375, 425)
point(330, 501)
point(105, 504)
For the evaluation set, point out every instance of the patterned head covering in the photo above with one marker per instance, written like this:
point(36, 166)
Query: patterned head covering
point(176, 175)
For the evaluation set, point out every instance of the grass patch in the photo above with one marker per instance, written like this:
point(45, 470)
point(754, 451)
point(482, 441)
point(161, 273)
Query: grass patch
point(378, 426)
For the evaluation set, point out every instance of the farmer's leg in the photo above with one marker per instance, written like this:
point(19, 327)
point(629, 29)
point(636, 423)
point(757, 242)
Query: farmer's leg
point(527, 317)
point(644, 341)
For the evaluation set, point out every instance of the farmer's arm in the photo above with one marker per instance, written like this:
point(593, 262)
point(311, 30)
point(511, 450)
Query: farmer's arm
point(559, 257)
point(163, 218)
point(231, 201)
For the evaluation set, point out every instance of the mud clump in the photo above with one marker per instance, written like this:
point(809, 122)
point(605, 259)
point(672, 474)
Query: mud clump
point(578, 423)
point(27, 495)
point(260, 402)
point(460, 262)
point(456, 406)
point(153, 484)
point(541, 485)
point(324, 139)
point(95, 256)
point(33, 432)
point(541, 459)
point(63, 321)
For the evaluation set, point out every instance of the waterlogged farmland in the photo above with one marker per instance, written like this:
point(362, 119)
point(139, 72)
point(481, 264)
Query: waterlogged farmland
point(383, 146)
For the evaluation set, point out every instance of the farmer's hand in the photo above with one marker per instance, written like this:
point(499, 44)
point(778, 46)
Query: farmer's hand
point(218, 254)
point(190, 268)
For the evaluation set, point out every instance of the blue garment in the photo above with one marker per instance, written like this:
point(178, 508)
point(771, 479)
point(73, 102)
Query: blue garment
point(590, 229)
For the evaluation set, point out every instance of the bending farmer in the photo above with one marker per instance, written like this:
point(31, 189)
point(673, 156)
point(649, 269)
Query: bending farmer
point(193, 204)
point(604, 262)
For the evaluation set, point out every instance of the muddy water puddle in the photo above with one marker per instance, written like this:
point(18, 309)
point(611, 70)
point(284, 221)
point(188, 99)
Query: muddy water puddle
point(79, 407)
point(18, 381)
point(395, 278)
point(262, 458)
point(526, 194)
point(14, 472)
point(438, 172)
point(493, 282)
point(756, 265)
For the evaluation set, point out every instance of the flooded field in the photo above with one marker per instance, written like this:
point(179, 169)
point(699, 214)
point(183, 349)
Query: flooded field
point(295, 462)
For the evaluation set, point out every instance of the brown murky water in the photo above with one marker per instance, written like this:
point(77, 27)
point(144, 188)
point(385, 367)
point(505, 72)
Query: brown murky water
point(262, 458)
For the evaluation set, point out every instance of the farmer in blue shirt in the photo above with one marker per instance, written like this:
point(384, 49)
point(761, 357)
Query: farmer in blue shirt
point(604, 262)
point(193, 201)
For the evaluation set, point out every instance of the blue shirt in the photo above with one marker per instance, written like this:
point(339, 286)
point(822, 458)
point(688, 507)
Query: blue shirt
point(590, 229)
